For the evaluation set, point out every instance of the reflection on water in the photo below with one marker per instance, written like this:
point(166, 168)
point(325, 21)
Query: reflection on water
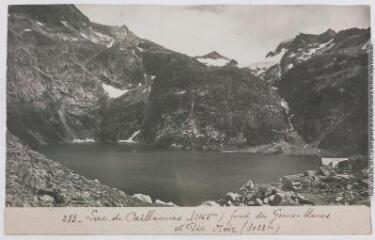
point(183, 177)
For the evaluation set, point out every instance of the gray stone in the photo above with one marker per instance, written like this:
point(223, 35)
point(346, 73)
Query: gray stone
point(258, 202)
point(275, 200)
point(232, 196)
point(288, 199)
point(249, 184)
point(143, 197)
point(288, 183)
point(326, 171)
point(46, 198)
point(210, 204)
point(310, 173)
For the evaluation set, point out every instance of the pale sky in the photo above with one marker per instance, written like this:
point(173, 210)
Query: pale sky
point(245, 33)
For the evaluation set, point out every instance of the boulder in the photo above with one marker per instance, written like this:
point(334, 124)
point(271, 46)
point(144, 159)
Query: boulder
point(143, 197)
point(288, 183)
point(232, 196)
point(320, 185)
point(258, 202)
point(249, 184)
point(228, 203)
point(358, 163)
point(288, 199)
point(310, 173)
point(326, 170)
point(303, 200)
point(344, 167)
point(270, 191)
point(275, 200)
point(167, 204)
point(46, 198)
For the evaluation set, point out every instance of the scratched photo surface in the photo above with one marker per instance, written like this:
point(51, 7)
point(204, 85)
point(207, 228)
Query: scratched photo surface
point(168, 106)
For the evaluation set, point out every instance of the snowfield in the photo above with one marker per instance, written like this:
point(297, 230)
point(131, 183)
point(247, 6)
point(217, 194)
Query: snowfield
point(131, 138)
point(220, 62)
point(113, 92)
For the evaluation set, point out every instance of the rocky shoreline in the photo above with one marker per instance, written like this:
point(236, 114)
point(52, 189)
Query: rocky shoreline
point(32, 180)
point(283, 148)
point(347, 183)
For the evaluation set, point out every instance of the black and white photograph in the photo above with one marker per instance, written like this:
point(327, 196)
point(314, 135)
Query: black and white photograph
point(188, 105)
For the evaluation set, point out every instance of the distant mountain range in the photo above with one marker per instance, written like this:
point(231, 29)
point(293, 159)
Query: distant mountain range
point(70, 79)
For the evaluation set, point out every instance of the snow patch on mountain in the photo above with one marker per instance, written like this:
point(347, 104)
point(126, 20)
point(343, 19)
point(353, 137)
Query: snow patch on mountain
point(180, 92)
point(260, 67)
point(103, 37)
point(289, 66)
point(109, 45)
point(113, 92)
point(131, 138)
point(213, 62)
point(65, 23)
point(84, 35)
point(214, 59)
point(277, 57)
point(285, 105)
point(87, 140)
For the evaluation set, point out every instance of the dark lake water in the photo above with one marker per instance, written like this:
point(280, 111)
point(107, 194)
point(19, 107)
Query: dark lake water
point(184, 177)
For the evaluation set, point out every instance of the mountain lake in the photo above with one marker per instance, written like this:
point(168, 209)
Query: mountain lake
point(187, 178)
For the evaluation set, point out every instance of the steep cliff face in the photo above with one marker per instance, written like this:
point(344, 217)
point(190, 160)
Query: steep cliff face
point(198, 105)
point(57, 63)
point(187, 104)
point(324, 79)
point(124, 116)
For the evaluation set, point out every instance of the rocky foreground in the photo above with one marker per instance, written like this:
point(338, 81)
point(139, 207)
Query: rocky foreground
point(345, 184)
point(35, 181)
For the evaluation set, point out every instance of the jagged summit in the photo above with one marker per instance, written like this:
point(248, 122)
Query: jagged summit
point(68, 62)
point(213, 55)
point(330, 32)
point(303, 40)
point(215, 59)
point(328, 70)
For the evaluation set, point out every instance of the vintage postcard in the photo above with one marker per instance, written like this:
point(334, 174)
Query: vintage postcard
point(216, 119)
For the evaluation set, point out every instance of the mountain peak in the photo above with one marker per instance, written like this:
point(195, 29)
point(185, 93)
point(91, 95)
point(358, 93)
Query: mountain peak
point(214, 55)
point(215, 59)
point(330, 31)
point(302, 40)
